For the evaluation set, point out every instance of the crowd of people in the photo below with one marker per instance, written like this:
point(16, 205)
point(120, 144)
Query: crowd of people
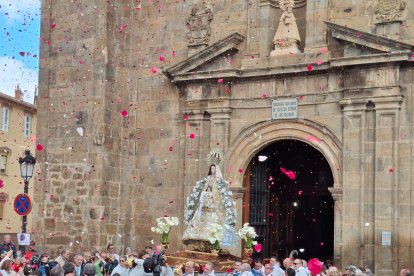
point(108, 262)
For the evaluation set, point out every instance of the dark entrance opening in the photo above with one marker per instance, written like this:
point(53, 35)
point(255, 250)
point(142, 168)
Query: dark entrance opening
point(288, 201)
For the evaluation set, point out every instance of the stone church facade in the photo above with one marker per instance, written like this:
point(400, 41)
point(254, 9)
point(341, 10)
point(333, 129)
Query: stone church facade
point(105, 177)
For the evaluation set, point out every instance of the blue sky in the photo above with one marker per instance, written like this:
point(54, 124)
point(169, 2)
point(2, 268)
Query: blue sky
point(19, 46)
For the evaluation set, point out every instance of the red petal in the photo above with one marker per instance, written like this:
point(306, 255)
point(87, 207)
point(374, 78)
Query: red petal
point(124, 113)
point(39, 147)
point(22, 54)
point(53, 25)
point(310, 68)
point(170, 148)
point(191, 136)
point(154, 69)
point(162, 58)
point(220, 81)
point(241, 170)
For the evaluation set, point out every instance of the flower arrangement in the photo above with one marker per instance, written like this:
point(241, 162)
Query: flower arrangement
point(163, 227)
point(247, 233)
point(215, 235)
point(193, 198)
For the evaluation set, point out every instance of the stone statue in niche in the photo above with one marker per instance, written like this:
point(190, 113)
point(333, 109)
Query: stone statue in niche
point(389, 10)
point(286, 39)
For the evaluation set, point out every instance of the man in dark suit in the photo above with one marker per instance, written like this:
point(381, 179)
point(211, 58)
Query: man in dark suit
point(79, 264)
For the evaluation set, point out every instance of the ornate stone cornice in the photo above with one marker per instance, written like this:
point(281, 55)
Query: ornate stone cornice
point(368, 40)
point(230, 42)
point(372, 103)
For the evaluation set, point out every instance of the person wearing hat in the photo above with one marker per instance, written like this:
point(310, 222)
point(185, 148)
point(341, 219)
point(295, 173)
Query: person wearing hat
point(89, 270)
point(350, 270)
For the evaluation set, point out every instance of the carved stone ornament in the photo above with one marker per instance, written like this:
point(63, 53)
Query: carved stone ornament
point(389, 10)
point(286, 39)
point(198, 24)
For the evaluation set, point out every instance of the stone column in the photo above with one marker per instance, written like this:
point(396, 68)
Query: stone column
point(316, 13)
point(269, 15)
point(386, 182)
point(337, 195)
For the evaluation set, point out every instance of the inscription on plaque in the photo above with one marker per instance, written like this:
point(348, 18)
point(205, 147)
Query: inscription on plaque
point(284, 109)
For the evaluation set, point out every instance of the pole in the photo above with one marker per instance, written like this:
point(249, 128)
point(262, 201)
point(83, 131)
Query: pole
point(22, 248)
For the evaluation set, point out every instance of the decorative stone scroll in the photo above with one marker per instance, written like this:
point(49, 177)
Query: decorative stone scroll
point(287, 38)
point(389, 10)
point(198, 24)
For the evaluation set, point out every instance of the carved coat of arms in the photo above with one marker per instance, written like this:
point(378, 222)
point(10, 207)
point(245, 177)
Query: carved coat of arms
point(198, 24)
point(389, 10)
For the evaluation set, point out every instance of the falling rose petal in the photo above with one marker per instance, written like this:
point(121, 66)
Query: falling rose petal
point(358, 34)
point(391, 170)
point(229, 270)
point(324, 50)
point(312, 139)
point(79, 130)
point(319, 61)
point(162, 58)
point(154, 69)
point(53, 25)
point(191, 136)
point(258, 247)
point(119, 100)
point(300, 193)
point(102, 218)
point(310, 68)
point(1, 183)
point(301, 97)
point(289, 174)
point(22, 54)
point(264, 96)
point(270, 178)
point(270, 214)
point(220, 81)
point(412, 55)
point(124, 113)
point(240, 170)
point(228, 90)
point(39, 147)
point(185, 117)
point(173, 53)
point(322, 244)
point(81, 62)
point(170, 148)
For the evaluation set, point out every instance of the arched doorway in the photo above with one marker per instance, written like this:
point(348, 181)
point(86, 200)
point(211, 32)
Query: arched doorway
point(288, 202)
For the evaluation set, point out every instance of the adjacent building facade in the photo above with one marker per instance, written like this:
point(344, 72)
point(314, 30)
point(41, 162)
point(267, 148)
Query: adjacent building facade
point(17, 134)
point(135, 94)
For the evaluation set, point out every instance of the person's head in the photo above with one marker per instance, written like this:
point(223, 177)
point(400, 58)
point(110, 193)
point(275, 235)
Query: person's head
point(273, 261)
point(212, 169)
point(258, 264)
point(405, 272)
point(268, 269)
point(111, 248)
point(128, 251)
point(297, 263)
point(350, 269)
point(78, 259)
point(18, 260)
point(44, 258)
point(290, 272)
point(65, 253)
point(143, 255)
point(89, 270)
point(7, 238)
point(208, 268)
point(122, 261)
point(6, 266)
point(148, 249)
point(87, 256)
point(68, 269)
point(287, 263)
point(245, 267)
point(27, 270)
point(56, 271)
point(237, 266)
point(189, 267)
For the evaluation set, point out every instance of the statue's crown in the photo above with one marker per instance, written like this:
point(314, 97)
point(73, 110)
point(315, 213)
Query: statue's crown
point(215, 157)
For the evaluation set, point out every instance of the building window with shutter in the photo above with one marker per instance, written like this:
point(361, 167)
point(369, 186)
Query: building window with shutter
point(5, 118)
point(3, 163)
point(27, 125)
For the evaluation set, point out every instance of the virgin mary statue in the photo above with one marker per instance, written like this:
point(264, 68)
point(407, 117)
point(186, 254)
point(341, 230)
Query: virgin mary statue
point(208, 204)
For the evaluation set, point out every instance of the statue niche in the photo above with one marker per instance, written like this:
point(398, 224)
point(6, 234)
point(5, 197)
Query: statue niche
point(287, 38)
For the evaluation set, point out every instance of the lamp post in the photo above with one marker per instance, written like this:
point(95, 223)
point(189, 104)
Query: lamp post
point(27, 164)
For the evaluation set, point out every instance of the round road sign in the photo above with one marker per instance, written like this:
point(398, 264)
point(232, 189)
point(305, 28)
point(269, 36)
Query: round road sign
point(22, 204)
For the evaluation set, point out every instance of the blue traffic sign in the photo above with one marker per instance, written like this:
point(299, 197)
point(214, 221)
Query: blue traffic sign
point(22, 204)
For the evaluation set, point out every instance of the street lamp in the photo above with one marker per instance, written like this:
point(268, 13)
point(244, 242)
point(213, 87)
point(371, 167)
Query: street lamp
point(27, 164)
